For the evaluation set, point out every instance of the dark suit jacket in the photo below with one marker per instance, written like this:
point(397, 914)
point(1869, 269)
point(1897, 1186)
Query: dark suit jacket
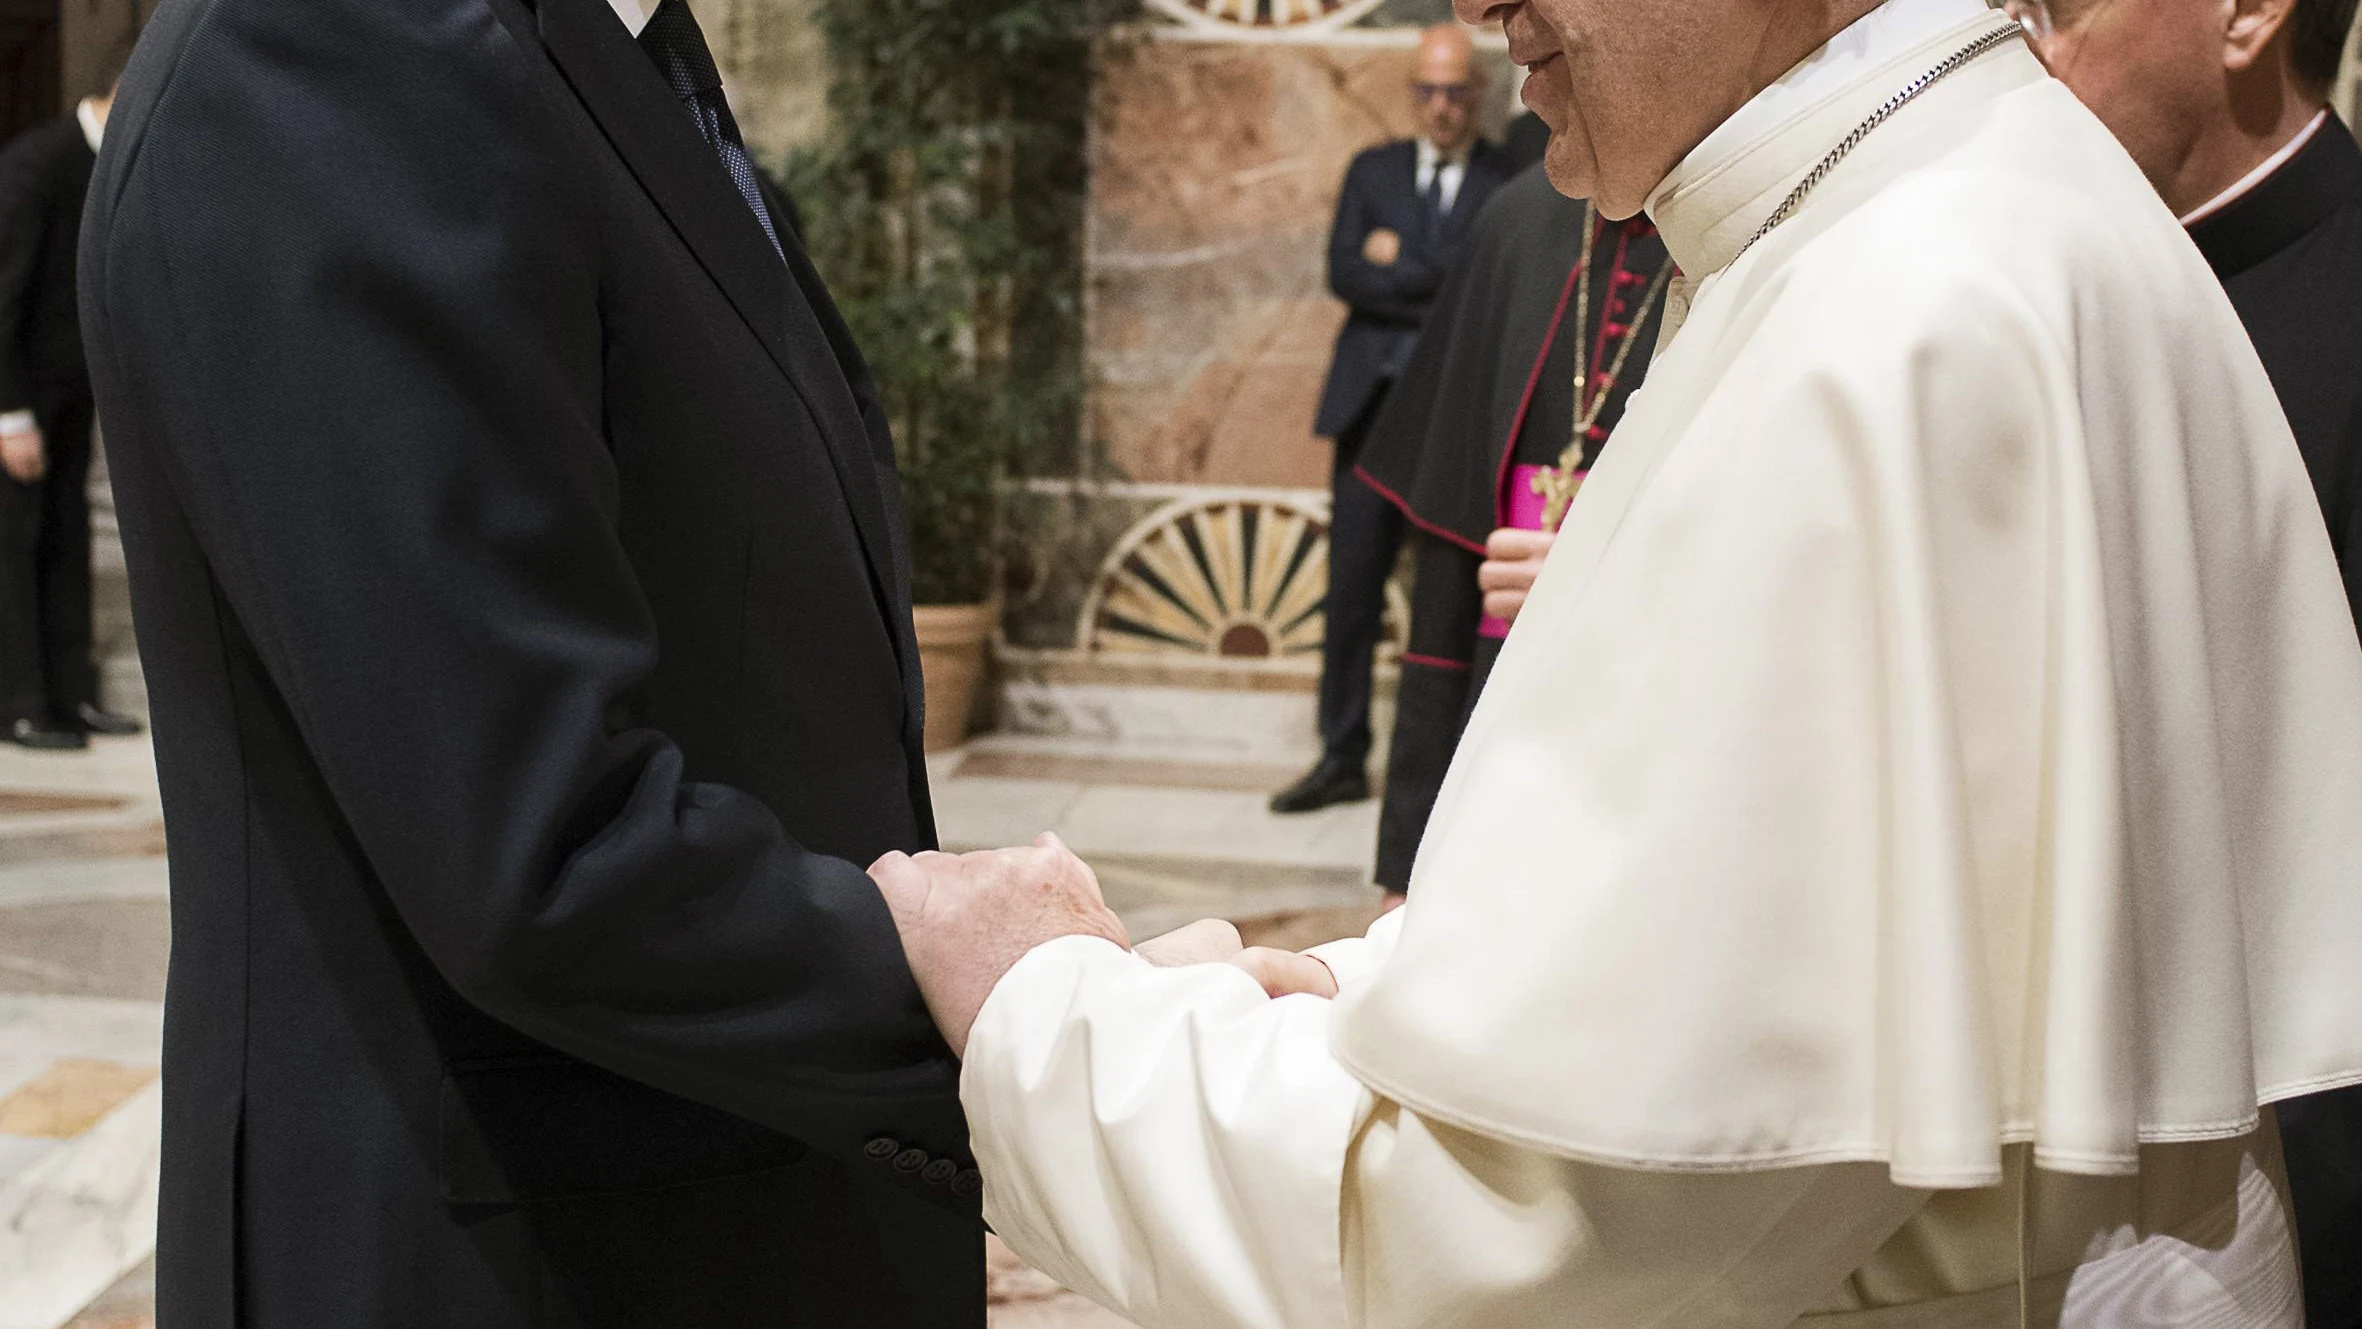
point(43, 175)
point(1389, 302)
point(516, 553)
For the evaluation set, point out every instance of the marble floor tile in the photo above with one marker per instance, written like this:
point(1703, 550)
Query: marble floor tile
point(70, 1097)
point(1218, 825)
point(992, 814)
point(36, 1033)
point(75, 880)
point(74, 1220)
point(111, 946)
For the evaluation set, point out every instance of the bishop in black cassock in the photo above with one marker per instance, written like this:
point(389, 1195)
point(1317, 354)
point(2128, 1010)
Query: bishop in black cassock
point(1489, 396)
point(2289, 251)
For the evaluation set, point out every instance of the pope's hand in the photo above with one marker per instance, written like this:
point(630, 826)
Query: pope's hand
point(1213, 941)
point(1513, 559)
point(967, 919)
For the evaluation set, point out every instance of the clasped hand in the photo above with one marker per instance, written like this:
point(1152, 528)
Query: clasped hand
point(967, 919)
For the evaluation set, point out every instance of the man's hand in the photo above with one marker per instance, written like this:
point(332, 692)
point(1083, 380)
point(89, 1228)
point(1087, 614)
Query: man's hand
point(1213, 941)
point(24, 455)
point(1513, 558)
point(1382, 248)
point(967, 919)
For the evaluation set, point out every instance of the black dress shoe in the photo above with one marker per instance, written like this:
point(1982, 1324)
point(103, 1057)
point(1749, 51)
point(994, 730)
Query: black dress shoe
point(1331, 783)
point(97, 721)
point(42, 738)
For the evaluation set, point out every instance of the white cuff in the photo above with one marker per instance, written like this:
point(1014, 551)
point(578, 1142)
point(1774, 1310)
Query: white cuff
point(1356, 958)
point(18, 422)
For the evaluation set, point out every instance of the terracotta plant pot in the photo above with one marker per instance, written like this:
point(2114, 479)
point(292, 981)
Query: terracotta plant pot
point(951, 654)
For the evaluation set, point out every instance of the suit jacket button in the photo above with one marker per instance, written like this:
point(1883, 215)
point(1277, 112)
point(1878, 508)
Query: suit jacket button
point(969, 1183)
point(910, 1160)
point(940, 1172)
point(882, 1148)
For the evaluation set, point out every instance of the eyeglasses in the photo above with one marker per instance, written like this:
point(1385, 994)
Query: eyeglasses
point(1458, 94)
point(2032, 15)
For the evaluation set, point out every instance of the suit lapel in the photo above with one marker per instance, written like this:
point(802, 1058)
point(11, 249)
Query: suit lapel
point(660, 145)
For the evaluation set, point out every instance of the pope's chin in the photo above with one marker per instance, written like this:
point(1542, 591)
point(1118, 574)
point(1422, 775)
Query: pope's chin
point(1570, 163)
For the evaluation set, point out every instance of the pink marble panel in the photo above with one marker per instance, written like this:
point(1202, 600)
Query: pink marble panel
point(1215, 174)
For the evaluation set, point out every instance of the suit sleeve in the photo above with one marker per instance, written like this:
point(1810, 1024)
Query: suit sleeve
point(24, 185)
point(1397, 292)
point(372, 333)
point(1187, 1153)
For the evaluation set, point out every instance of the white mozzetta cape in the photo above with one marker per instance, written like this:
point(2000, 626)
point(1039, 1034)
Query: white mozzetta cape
point(1939, 725)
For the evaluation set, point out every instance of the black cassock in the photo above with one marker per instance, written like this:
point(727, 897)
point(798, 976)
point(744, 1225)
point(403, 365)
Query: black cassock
point(1491, 390)
point(2289, 252)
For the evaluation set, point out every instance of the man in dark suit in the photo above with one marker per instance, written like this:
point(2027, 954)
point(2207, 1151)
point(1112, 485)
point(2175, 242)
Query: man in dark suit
point(2226, 107)
point(48, 681)
point(1403, 219)
point(516, 551)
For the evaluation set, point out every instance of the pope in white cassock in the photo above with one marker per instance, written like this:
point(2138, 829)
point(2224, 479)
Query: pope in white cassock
point(1915, 824)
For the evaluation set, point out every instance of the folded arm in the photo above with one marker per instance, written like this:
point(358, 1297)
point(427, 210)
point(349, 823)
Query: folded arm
point(1397, 292)
point(1186, 1152)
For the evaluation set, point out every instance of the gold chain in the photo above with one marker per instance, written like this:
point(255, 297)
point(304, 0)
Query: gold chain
point(1557, 485)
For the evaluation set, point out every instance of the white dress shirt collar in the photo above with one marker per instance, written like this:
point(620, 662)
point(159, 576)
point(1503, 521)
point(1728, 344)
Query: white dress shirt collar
point(93, 128)
point(1454, 172)
point(2270, 167)
point(635, 14)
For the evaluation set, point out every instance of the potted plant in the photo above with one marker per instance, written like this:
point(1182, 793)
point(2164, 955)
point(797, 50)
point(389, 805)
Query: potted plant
point(944, 208)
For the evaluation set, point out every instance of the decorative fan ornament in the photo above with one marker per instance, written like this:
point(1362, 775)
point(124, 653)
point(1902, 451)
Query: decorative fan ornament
point(1241, 578)
point(1267, 15)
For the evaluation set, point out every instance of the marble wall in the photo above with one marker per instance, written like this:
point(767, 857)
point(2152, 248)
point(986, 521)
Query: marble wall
point(1214, 178)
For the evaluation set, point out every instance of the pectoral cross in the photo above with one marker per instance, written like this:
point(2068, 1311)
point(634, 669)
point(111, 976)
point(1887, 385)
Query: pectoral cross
point(1557, 486)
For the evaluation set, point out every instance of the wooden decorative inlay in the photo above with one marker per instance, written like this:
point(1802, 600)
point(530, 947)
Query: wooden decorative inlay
point(1233, 576)
point(1267, 15)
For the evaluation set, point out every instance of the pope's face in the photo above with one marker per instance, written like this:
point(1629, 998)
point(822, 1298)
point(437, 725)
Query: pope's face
point(1630, 86)
point(1581, 68)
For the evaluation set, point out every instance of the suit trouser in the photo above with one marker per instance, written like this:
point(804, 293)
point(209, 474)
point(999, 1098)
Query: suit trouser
point(1365, 539)
point(45, 634)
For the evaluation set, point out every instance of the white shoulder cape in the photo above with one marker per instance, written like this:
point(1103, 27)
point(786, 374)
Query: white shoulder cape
point(1940, 725)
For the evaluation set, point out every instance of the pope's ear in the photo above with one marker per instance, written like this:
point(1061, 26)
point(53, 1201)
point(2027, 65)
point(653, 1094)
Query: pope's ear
point(2252, 30)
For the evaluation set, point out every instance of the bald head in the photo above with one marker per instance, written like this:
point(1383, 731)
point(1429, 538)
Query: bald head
point(1630, 86)
point(1447, 84)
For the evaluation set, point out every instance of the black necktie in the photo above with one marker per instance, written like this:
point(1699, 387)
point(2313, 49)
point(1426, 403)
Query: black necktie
point(1431, 203)
point(674, 41)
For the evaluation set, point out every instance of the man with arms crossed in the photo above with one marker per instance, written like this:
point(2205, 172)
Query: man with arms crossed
point(1403, 220)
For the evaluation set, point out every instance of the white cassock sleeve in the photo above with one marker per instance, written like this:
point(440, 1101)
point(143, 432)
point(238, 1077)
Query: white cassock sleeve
point(1186, 1152)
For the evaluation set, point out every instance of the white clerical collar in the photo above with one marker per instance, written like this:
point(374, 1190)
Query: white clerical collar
point(93, 128)
point(2270, 168)
point(1716, 197)
point(1865, 42)
point(635, 13)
